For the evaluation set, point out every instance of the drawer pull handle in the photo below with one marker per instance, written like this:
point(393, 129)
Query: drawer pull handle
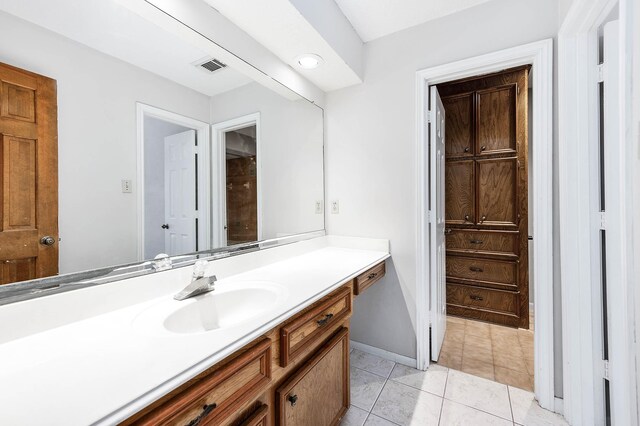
point(293, 399)
point(206, 410)
point(475, 269)
point(322, 322)
point(372, 275)
point(475, 241)
point(475, 297)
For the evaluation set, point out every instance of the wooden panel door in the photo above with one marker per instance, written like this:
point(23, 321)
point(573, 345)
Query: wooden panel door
point(318, 394)
point(496, 120)
point(28, 176)
point(497, 189)
point(242, 200)
point(458, 125)
point(460, 205)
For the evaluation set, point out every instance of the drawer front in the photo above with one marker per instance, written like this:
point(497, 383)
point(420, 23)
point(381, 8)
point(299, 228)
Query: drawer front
point(483, 298)
point(368, 278)
point(484, 270)
point(217, 396)
point(308, 327)
point(318, 393)
point(259, 418)
point(502, 242)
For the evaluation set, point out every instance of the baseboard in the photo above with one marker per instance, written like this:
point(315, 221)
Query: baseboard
point(559, 406)
point(391, 356)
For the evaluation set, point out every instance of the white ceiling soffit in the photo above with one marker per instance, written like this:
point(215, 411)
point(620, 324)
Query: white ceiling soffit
point(290, 28)
point(377, 18)
point(117, 31)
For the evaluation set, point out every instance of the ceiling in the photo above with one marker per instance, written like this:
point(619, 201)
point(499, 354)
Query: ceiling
point(110, 28)
point(373, 19)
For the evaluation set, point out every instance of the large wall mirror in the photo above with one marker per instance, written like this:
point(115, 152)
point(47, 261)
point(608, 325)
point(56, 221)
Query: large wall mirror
point(158, 146)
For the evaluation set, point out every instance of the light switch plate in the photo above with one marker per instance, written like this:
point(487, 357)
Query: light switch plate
point(335, 207)
point(126, 186)
point(319, 207)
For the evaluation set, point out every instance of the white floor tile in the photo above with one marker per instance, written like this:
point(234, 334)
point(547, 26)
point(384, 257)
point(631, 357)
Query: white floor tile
point(478, 393)
point(407, 406)
point(354, 417)
point(527, 412)
point(371, 363)
point(433, 380)
point(365, 388)
point(454, 414)
point(377, 421)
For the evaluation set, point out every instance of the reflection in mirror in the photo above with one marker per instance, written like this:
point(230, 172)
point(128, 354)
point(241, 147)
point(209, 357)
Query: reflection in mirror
point(121, 139)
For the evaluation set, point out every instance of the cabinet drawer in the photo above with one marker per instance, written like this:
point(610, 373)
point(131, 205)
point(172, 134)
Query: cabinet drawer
point(318, 393)
point(259, 418)
point(368, 278)
point(497, 242)
point(216, 396)
point(483, 298)
point(482, 270)
point(309, 326)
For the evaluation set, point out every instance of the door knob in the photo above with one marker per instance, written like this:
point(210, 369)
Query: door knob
point(165, 226)
point(47, 241)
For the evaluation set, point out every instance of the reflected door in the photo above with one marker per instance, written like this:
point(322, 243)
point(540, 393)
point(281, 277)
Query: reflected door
point(28, 176)
point(180, 193)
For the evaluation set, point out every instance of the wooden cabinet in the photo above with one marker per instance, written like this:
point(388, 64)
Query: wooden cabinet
point(318, 393)
point(486, 195)
point(369, 278)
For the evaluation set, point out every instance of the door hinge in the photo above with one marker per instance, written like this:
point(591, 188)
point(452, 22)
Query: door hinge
point(430, 117)
point(431, 216)
point(605, 368)
point(601, 71)
point(603, 220)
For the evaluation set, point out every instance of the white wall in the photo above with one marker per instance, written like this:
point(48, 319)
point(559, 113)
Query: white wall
point(370, 147)
point(97, 97)
point(290, 155)
point(155, 130)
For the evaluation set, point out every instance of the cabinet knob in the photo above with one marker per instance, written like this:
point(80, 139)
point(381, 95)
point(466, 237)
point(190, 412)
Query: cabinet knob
point(293, 400)
point(466, 149)
point(466, 218)
point(483, 218)
point(165, 226)
point(206, 410)
point(483, 148)
point(322, 322)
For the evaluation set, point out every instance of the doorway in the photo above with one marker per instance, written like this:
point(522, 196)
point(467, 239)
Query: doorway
point(174, 185)
point(430, 307)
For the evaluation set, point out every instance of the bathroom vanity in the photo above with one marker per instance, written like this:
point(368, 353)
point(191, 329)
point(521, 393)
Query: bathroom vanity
point(277, 353)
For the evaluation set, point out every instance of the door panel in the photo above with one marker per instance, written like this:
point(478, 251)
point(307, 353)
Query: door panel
point(460, 141)
point(497, 192)
point(28, 175)
point(460, 188)
point(437, 226)
point(497, 120)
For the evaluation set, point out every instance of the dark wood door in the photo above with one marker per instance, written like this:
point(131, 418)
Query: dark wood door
point(28, 175)
point(486, 197)
point(318, 393)
point(242, 200)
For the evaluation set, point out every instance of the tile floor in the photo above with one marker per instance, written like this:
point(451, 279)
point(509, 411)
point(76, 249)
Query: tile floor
point(491, 351)
point(387, 394)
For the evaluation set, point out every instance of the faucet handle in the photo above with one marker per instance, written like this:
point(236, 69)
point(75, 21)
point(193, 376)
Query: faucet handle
point(199, 268)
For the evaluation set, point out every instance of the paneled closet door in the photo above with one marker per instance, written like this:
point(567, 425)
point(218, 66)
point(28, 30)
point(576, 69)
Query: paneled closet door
point(460, 192)
point(459, 125)
point(497, 192)
point(496, 123)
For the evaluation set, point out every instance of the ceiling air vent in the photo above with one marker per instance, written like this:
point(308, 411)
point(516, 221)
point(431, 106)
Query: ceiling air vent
point(210, 64)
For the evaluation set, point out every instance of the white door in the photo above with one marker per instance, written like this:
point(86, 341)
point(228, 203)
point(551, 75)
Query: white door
point(180, 193)
point(437, 250)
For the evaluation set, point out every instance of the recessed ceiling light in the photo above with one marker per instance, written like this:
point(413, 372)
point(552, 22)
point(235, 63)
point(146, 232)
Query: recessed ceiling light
point(309, 61)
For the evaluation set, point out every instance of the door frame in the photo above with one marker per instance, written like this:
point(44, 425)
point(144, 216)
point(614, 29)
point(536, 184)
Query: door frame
point(579, 128)
point(540, 55)
point(204, 170)
point(219, 179)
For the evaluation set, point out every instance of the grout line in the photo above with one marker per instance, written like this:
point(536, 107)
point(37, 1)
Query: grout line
point(513, 420)
point(444, 392)
point(370, 372)
point(380, 393)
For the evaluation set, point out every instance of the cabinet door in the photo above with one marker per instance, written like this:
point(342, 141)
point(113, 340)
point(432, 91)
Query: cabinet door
point(318, 393)
point(497, 192)
point(459, 125)
point(459, 192)
point(496, 120)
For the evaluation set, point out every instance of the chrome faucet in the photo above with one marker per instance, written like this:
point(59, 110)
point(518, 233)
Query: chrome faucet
point(199, 283)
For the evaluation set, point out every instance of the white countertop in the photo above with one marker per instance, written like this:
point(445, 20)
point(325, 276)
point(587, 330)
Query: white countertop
point(101, 369)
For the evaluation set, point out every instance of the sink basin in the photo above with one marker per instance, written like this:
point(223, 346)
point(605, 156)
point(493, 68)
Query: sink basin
point(229, 305)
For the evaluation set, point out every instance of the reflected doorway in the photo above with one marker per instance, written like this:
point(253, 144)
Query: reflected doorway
point(241, 185)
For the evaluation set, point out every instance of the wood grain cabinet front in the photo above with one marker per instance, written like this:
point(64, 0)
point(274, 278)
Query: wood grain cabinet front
point(485, 304)
point(259, 418)
point(318, 393)
point(368, 278)
point(308, 327)
point(497, 243)
point(211, 399)
point(487, 272)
